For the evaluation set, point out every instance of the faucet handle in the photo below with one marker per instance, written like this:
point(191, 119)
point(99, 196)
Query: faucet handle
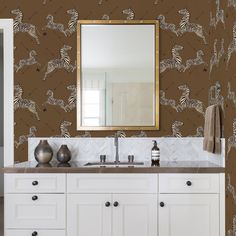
point(130, 158)
point(102, 158)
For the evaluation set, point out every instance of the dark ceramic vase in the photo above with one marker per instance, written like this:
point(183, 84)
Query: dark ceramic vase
point(63, 154)
point(43, 152)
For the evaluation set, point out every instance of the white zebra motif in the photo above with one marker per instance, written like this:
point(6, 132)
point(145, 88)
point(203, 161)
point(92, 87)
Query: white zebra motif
point(219, 17)
point(105, 17)
point(230, 188)
point(214, 96)
point(23, 27)
point(231, 94)
point(186, 26)
point(232, 45)
point(54, 101)
point(199, 132)
point(54, 26)
point(72, 24)
point(86, 134)
point(232, 3)
point(232, 139)
point(72, 98)
point(61, 63)
point(165, 101)
point(175, 62)
point(119, 133)
point(175, 127)
point(27, 62)
point(232, 232)
point(130, 14)
point(166, 26)
point(142, 134)
point(21, 103)
point(186, 102)
point(196, 61)
point(64, 130)
point(216, 57)
point(24, 138)
point(15, 66)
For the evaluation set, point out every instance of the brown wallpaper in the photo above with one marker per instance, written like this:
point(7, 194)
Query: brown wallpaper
point(198, 36)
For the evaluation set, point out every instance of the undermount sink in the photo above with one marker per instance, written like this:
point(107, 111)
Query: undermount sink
point(114, 164)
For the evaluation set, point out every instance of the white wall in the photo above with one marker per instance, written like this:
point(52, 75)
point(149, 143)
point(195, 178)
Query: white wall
point(1, 88)
point(8, 74)
point(1, 175)
point(1, 110)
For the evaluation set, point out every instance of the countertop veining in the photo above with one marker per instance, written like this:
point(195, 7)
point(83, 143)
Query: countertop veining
point(77, 167)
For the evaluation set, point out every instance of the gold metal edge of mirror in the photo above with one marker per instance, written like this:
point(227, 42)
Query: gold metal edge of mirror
point(157, 77)
point(88, 22)
point(115, 128)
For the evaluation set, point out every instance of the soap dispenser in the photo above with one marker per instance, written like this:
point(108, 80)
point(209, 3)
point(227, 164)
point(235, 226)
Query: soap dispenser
point(155, 154)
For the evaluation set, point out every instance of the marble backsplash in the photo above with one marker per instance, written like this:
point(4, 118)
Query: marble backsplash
point(171, 149)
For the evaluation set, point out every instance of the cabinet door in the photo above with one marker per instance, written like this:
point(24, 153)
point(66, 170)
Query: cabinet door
point(135, 215)
point(189, 214)
point(89, 215)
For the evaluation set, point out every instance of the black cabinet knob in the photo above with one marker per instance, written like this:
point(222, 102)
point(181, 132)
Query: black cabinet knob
point(189, 183)
point(162, 204)
point(34, 183)
point(116, 204)
point(107, 204)
point(34, 233)
point(34, 198)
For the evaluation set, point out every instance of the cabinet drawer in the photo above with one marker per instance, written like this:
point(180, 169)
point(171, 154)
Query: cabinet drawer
point(112, 183)
point(35, 183)
point(188, 183)
point(39, 232)
point(39, 211)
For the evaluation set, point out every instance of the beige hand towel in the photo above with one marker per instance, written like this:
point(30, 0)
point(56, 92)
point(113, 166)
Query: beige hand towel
point(212, 129)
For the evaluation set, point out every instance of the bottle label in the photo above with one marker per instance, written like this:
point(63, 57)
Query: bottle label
point(155, 154)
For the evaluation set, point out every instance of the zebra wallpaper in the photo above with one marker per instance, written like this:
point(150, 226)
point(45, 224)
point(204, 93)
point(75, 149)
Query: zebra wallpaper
point(197, 61)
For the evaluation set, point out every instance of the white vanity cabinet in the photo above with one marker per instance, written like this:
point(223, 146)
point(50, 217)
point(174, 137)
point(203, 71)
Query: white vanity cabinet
point(35, 204)
point(189, 214)
point(108, 214)
point(120, 204)
point(191, 204)
point(108, 204)
point(135, 215)
point(87, 214)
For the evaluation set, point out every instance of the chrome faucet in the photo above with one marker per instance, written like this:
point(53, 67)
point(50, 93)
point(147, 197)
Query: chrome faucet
point(116, 143)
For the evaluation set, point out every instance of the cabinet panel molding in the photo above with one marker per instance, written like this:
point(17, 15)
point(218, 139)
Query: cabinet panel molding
point(35, 183)
point(112, 183)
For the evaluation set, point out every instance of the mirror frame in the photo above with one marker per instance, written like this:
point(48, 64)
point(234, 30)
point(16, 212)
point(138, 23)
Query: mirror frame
point(79, 70)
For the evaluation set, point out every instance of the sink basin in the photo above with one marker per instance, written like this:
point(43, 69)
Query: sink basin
point(114, 164)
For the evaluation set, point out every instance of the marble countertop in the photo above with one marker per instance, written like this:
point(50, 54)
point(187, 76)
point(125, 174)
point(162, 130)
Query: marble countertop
point(77, 167)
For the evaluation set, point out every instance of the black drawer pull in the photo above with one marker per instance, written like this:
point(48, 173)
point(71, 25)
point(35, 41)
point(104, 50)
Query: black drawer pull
point(34, 183)
point(162, 204)
point(34, 233)
point(107, 204)
point(116, 204)
point(34, 198)
point(189, 183)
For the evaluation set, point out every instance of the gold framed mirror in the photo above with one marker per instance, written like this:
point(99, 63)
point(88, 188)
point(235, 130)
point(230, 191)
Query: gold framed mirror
point(118, 75)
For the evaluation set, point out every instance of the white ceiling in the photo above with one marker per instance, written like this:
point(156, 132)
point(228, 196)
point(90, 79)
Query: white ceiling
point(117, 46)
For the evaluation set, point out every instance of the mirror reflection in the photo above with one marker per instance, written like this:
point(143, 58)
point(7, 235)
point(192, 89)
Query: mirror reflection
point(117, 75)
